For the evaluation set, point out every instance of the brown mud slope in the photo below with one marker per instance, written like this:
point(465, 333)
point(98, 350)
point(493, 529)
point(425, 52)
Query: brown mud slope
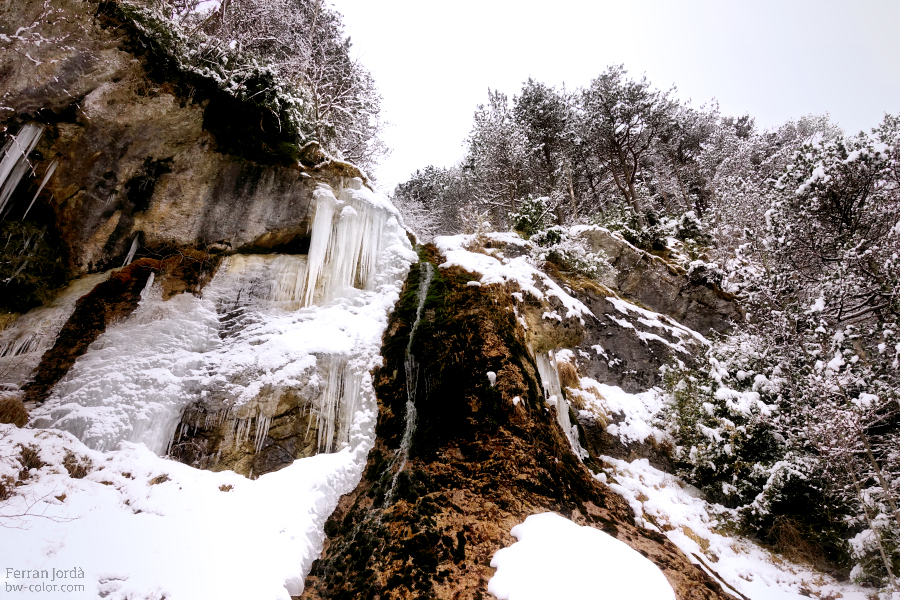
point(478, 463)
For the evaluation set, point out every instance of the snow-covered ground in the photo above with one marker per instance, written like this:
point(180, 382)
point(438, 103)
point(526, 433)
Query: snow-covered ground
point(131, 524)
point(141, 526)
point(664, 502)
point(555, 558)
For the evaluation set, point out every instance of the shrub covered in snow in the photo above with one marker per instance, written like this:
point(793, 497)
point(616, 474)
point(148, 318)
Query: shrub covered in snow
point(555, 245)
point(532, 216)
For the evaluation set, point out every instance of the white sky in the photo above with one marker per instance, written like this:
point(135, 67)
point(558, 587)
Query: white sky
point(776, 59)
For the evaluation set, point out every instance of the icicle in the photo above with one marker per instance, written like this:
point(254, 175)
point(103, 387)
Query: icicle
point(262, 430)
point(344, 244)
point(354, 246)
point(47, 176)
point(15, 159)
point(318, 246)
point(546, 364)
point(16, 274)
point(329, 399)
point(132, 251)
point(36, 330)
point(148, 285)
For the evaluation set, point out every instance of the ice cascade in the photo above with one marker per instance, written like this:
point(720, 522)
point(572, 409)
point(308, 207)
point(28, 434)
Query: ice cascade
point(24, 342)
point(546, 365)
point(266, 326)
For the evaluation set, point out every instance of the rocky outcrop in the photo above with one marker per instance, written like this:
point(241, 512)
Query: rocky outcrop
point(664, 288)
point(216, 440)
point(448, 479)
point(146, 156)
point(626, 347)
point(146, 162)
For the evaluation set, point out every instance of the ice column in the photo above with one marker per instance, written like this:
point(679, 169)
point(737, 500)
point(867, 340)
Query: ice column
point(15, 159)
point(546, 364)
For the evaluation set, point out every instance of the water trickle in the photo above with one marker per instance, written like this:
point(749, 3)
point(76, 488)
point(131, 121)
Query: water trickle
point(412, 380)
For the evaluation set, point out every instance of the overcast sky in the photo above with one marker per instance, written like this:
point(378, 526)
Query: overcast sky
point(775, 59)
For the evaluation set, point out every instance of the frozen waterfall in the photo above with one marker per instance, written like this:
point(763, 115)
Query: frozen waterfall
point(265, 326)
point(24, 342)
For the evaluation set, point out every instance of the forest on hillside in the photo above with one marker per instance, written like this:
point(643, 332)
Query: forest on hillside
point(792, 421)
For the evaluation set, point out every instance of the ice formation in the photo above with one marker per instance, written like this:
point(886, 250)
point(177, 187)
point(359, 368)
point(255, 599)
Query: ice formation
point(14, 163)
point(24, 342)
point(50, 170)
point(546, 365)
point(266, 325)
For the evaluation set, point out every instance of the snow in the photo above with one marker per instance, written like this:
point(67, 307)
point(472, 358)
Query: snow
point(244, 340)
point(515, 270)
point(663, 502)
point(652, 319)
point(555, 558)
point(635, 411)
point(183, 538)
point(817, 306)
point(265, 326)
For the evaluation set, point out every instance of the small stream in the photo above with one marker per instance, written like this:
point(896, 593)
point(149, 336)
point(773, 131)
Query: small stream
point(412, 380)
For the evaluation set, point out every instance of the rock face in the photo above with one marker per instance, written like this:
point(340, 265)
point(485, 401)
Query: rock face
point(449, 478)
point(140, 167)
point(212, 441)
point(663, 288)
point(140, 159)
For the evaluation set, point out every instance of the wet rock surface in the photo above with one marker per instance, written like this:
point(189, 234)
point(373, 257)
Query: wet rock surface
point(437, 502)
point(215, 440)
